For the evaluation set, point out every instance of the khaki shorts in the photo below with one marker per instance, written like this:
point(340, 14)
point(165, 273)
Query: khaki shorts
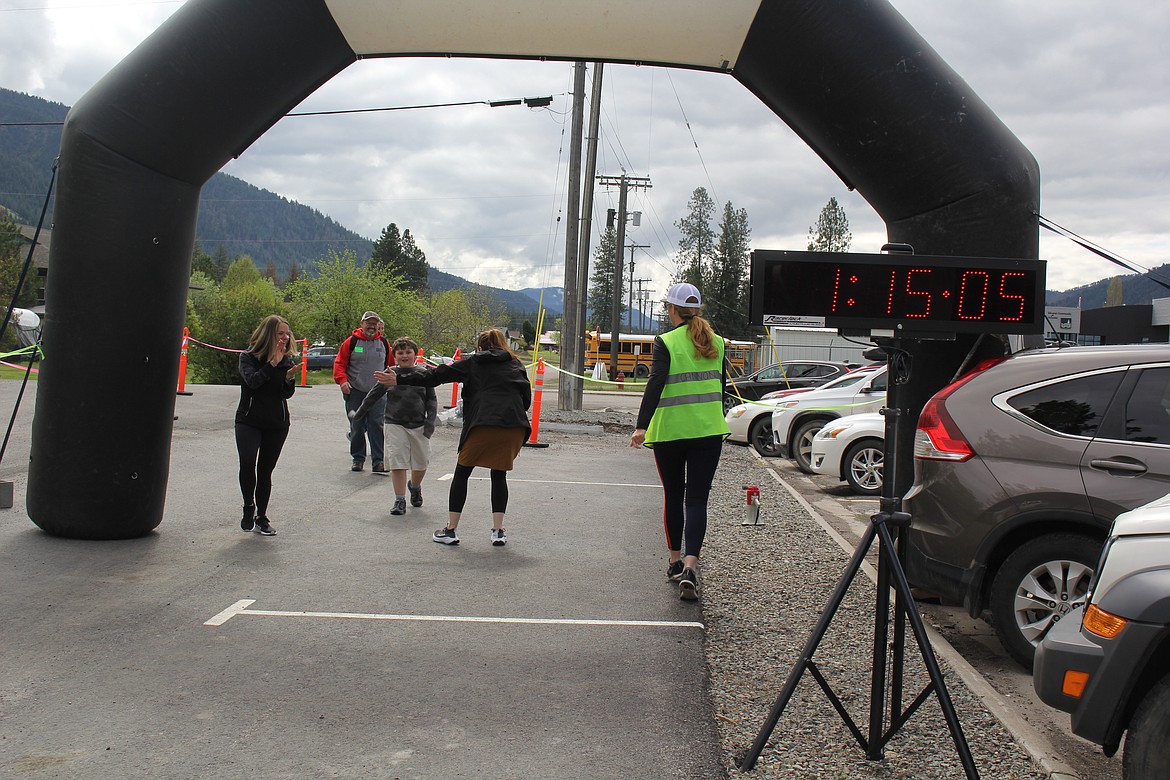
point(407, 448)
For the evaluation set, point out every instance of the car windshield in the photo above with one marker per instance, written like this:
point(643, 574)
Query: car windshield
point(848, 379)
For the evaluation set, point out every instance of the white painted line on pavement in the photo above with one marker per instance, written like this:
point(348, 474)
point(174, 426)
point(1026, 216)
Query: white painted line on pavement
point(448, 477)
point(241, 608)
point(230, 612)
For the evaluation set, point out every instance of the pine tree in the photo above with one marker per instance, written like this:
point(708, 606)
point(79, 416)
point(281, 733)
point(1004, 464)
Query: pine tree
point(413, 264)
point(396, 252)
point(726, 295)
point(696, 244)
point(387, 249)
point(831, 233)
point(599, 300)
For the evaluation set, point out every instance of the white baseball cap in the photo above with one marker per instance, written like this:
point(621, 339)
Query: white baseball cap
point(685, 295)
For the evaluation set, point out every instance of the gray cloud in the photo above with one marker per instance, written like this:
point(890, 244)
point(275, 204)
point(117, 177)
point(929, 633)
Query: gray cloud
point(1085, 85)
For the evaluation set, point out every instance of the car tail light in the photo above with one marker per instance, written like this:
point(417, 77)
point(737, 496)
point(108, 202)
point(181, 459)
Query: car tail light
point(938, 437)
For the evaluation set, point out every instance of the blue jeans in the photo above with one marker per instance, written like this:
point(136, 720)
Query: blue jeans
point(372, 426)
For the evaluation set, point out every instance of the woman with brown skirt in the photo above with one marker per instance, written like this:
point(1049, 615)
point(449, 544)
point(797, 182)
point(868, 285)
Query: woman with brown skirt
point(496, 397)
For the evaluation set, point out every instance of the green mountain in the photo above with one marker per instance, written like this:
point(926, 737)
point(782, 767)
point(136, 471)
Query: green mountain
point(244, 219)
point(1135, 289)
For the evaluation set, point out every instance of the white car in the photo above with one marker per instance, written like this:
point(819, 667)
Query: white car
point(852, 448)
point(797, 419)
point(751, 422)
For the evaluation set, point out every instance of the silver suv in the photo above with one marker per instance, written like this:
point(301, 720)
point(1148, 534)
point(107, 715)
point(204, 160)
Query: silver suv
point(1110, 665)
point(1021, 467)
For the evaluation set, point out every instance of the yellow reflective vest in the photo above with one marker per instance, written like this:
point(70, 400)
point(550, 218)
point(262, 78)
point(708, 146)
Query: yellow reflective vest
point(691, 406)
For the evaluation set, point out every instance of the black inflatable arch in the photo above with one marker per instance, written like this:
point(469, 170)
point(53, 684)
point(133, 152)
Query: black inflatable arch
point(852, 78)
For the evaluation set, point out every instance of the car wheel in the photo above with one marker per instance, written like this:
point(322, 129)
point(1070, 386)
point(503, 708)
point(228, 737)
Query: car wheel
point(863, 466)
point(1147, 753)
point(802, 442)
point(760, 435)
point(1036, 586)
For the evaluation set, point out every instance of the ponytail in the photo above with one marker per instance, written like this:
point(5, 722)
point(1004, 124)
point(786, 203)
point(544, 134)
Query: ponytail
point(701, 333)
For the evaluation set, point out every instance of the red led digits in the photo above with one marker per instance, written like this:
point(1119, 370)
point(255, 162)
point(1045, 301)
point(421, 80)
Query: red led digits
point(968, 297)
point(906, 294)
point(925, 294)
point(1020, 299)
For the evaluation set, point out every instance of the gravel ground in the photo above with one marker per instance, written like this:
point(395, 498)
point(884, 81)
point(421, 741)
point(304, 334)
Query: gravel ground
point(759, 617)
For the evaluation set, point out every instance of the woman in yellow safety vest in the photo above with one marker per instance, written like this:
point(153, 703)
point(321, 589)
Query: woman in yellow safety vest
point(681, 419)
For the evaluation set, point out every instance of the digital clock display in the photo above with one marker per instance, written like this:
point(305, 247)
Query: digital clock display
point(902, 293)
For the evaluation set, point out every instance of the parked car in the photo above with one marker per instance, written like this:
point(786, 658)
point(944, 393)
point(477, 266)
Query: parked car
point(320, 357)
point(1021, 466)
point(751, 422)
point(1108, 663)
point(785, 375)
point(852, 449)
point(796, 420)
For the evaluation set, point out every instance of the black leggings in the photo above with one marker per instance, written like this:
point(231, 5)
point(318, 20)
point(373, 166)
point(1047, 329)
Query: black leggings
point(687, 469)
point(259, 450)
point(458, 495)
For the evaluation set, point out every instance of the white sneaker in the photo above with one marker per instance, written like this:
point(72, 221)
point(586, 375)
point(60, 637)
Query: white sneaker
point(499, 539)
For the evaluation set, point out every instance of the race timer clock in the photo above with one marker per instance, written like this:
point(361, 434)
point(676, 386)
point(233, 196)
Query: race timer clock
point(897, 292)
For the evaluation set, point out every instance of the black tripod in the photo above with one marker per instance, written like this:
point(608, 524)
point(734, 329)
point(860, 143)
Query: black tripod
point(885, 526)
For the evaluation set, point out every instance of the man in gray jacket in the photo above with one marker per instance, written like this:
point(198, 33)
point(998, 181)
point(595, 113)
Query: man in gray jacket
point(358, 357)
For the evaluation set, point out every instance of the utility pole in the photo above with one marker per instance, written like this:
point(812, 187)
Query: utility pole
point(630, 311)
point(577, 400)
point(642, 296)
point(570, 325)
point(625, 182)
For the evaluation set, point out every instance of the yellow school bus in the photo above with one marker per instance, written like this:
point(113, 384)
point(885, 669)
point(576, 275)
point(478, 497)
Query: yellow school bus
point(634, 356)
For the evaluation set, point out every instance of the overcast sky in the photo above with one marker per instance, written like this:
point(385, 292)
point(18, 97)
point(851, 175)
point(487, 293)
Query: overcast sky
point(1084, 84)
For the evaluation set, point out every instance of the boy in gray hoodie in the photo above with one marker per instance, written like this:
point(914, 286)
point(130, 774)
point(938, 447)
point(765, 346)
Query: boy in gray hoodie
point(410, 422)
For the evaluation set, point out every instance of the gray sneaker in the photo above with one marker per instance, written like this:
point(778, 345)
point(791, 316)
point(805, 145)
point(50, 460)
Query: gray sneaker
point(688, 585)
point(445, 535)
point(399, 506)
point(415, 493)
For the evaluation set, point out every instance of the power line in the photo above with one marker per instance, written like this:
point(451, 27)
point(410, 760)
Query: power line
point(531, 102)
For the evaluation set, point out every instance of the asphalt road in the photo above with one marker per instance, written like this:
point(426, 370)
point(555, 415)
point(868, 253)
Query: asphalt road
point(351, 645)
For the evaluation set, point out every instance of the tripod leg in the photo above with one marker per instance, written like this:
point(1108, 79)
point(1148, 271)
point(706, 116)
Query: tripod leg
point(877, 686)
point(810, 647)
point(889, 557)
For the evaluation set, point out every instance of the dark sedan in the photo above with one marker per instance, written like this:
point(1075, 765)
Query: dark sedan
point(320, 357)
point(785, 375)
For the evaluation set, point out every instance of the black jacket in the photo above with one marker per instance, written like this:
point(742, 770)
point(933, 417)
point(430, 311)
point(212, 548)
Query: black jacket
point(496, 391)
point(263, 392)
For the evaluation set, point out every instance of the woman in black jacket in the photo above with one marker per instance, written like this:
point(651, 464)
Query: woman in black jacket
point(267, 368)
point(496, 397)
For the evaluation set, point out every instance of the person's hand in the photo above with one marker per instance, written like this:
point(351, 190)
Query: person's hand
point(292, 372)
point(638, 437)
point(387, 378)
point(283, 344)
point(345, 388)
